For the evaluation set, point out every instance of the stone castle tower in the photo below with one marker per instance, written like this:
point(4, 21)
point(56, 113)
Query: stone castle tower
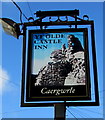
point(67, 66)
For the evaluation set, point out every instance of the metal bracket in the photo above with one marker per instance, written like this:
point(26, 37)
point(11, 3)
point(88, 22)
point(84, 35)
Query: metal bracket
point(85, 17)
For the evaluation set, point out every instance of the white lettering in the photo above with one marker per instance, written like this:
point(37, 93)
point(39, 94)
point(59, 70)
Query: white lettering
point(57, 91)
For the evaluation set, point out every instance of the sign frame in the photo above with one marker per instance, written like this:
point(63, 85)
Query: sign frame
point(44, 104)
point(30, 89)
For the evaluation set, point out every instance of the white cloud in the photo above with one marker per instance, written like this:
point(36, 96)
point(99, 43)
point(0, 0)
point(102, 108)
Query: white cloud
point(4, 78)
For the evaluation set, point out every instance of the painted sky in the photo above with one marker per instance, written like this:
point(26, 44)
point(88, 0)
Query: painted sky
point(12, 60)
point(40, 57)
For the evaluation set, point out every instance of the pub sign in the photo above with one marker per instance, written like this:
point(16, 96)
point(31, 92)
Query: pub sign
point(58, 65)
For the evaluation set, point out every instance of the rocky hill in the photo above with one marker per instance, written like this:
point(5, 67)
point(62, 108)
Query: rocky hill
point(66, 68)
